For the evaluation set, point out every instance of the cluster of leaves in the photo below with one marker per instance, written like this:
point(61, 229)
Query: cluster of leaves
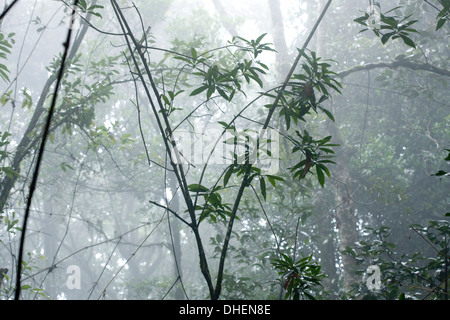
point(317, 154)
point(220, 77)
point(80, 96)
point(4, 154)
point(441, 173)
point(89, 8)
point(300, 277)
point(387, 26)
point(444, 14)
point(28, 266)
point(405, 276)
point(298, 100)
point(255, 172)
point(213, 207)
point(11, 222)
point(6, 43)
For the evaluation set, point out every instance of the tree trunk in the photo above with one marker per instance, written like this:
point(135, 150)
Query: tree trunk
point(346, 220)
point(279, 40)
point(346, 223)
point(327, 250)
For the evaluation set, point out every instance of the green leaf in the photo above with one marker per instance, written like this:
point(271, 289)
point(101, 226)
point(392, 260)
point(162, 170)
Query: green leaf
point(198, 90)
point(223, 94)
point(320, 176)
point(408, 41)
point(197, 188)
point(440, 23)
point(5, 135)
point(440, 173)
point(272, 179)
point(257, 79)
point(361, 20)
point(386, 37)
point(10, 172)
point(262, 184)
point(258, 40)
point(227, 175)
point(194, 53)
point(64, 167)
point(328, 113)
point(211, 90)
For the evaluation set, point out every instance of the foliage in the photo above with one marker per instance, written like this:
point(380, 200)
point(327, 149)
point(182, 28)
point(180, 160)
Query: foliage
point(443, 15)
point(299, 277)
point(388, 27)
point(420, 275)
point(6, 43)
point(112, 158)
point(442, 172)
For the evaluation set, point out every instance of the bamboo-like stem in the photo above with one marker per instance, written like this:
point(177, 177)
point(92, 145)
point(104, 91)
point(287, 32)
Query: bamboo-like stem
point(167, 135)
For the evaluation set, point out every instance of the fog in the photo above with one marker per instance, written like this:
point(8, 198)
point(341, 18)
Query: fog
point(196, 151)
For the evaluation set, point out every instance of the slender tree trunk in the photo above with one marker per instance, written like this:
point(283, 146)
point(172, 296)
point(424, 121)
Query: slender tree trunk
point(279, 39)
point(327, 250)
point(345, 211)
point(346, 219)
point(347, 226)
point(328, 245)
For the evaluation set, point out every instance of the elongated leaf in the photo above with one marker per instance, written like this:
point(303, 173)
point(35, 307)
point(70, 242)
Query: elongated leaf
point(197, 188)
point(227, 175)
point(272, 179)
point(211, 90)
point(408, 41)
point(320, 176)
point(198, 90)
point(262, 185)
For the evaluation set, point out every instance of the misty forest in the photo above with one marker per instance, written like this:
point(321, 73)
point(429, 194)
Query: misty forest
point(212, 149)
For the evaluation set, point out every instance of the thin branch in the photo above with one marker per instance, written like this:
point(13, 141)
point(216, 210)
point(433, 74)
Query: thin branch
point(104, 268)
point(33, 184)
point(131, 256)
point(171, 211)
point(267, 219)
point(116, 238)
point(171, 287)
point(3, 14)
point(431, 244)
point(395, 65)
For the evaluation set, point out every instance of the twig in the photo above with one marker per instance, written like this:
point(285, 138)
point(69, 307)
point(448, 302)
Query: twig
point(394, 65)
point(431, 244)
point(104, 268)
point(131, 256)
point(171, 211)
point(267, 219)
point(170, 289)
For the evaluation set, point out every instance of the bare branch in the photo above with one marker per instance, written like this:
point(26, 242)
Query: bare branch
point(395, 65)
